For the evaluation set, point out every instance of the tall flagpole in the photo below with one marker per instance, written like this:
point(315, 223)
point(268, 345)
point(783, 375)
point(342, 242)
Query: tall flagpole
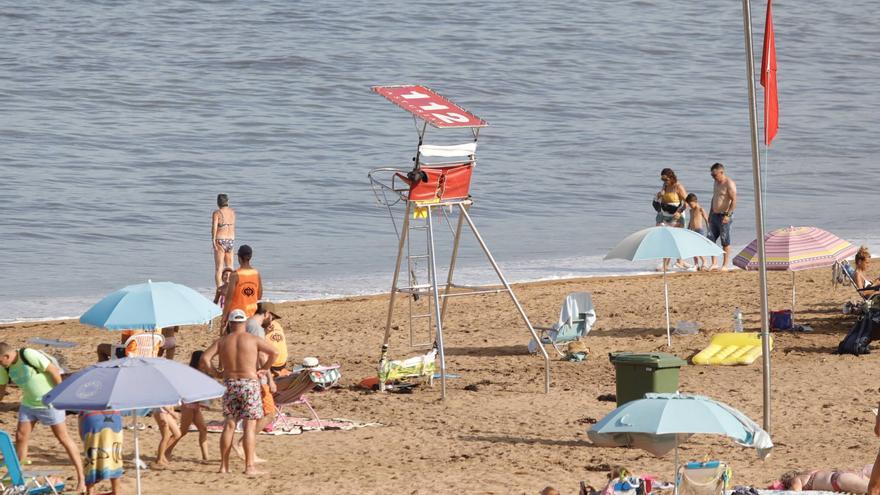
point(759, 211)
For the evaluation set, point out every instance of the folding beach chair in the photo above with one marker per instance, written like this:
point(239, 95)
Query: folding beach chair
point(703, 478)
point(291, 390)
point(576, 319)
point(16, 481)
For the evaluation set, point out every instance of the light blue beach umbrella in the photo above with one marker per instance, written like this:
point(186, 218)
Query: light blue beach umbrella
point(659, 422)
point(151, 306)
point(132, 383)
point(663, 242)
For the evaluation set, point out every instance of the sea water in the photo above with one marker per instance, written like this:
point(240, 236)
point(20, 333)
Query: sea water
point(120, 123)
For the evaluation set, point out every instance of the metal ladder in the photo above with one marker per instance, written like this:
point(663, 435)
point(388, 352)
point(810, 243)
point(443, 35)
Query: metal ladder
point(420, 300)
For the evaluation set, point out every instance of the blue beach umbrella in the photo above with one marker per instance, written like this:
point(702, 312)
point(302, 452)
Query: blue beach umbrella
point(663, 242)
point(659, 422)
point(132, 383)
point(151, 306)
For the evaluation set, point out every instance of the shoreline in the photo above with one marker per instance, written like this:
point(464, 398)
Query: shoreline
point(51, 319)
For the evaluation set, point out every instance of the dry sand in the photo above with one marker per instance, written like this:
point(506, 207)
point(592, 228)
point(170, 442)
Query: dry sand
point(508, 436)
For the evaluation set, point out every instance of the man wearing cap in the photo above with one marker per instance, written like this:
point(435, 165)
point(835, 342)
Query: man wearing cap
point(245, 287)
point(262, 318)
point(275, 336)
point(239, 352)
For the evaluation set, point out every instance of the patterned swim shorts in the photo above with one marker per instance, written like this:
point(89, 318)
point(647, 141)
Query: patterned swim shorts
point(242, 399)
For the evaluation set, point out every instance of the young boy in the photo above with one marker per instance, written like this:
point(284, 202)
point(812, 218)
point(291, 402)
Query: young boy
point(698, 223)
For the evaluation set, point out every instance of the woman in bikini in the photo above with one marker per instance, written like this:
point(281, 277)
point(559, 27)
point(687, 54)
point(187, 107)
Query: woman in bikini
point(863, 261)
point(670, 205)
point(826, 480)
point(222, 236)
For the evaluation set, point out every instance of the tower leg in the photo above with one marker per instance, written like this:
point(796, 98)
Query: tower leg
point(435, 293)
point(403, 234)
point(516, 303)
point(452, 259)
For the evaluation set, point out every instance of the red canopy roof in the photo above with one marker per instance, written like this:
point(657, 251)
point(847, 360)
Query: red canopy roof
point(427, 105)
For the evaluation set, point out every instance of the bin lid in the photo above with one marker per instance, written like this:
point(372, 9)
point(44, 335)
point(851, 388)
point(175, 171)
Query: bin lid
point(653, 359)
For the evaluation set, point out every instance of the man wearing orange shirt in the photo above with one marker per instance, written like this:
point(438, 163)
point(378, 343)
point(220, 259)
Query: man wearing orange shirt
point(245, 287)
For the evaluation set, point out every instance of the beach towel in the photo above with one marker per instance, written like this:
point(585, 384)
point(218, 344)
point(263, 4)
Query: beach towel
point(101, 434)
point(296, 426)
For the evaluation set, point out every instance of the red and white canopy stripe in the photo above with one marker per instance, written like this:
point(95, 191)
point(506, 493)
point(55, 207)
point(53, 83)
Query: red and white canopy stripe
point(796, 248)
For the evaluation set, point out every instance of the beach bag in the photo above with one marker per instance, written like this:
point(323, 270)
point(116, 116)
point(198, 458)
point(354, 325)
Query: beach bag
point(52, 359)
point(780, 320)
point(858, 339)
point(324, 377)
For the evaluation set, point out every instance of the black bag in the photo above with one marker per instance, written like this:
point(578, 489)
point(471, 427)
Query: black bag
point(858, 340)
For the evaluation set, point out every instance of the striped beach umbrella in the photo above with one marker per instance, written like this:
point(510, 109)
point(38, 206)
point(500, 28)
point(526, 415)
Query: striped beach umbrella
point(794, 249)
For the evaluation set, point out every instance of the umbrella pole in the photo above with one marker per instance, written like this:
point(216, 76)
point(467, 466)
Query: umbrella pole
point(137, 452)
point(675, 476)
point(666, 298)
point(793, 296)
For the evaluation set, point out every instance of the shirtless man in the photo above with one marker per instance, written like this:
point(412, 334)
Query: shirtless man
point(721, 214)
point(239, 353)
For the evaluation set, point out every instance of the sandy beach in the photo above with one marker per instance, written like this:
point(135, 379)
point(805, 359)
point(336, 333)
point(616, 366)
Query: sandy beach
point(508, 436)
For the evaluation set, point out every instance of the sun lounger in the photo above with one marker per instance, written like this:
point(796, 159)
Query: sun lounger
point(24, 482)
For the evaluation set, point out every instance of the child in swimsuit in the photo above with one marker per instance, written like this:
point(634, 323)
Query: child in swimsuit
point(191, 414)
point(698, 222)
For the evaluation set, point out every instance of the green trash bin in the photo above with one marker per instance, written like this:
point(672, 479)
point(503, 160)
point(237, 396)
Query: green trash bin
point(639, 374)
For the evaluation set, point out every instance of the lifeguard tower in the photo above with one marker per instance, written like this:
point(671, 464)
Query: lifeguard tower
point(438, 185)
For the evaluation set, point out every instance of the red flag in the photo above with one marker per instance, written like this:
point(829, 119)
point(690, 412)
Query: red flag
point(768, 79)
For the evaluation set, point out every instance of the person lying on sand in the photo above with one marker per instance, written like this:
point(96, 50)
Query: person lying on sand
point(825, 480)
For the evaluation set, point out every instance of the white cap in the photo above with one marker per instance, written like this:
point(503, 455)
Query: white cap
point(310, 362)
point(237, 315)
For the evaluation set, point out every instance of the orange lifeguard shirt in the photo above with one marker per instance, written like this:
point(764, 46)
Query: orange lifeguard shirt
point(275, 336)
point(247, 291)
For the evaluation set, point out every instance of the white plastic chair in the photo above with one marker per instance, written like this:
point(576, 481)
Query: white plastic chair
point(145, 344)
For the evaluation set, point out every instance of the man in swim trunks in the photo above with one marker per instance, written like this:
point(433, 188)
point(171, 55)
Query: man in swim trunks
point(239, 353)
point(721, 214)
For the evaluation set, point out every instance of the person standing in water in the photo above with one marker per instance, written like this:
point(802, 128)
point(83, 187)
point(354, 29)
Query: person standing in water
point(222, 236)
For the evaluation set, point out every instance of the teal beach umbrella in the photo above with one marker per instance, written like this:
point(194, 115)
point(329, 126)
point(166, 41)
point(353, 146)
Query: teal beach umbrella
point(659, 422)
point(656, 243)
point(151, 306)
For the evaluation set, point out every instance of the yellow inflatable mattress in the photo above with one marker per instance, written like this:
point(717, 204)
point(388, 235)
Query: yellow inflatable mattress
point(731, 348)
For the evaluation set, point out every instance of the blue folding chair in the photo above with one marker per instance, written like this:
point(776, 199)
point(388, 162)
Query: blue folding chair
point(14, 480)
point(576, 318)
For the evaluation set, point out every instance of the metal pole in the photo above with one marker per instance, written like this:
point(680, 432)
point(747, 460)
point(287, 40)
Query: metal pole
point(435, 292)
point(452, 259)
point(666, 298)
point(137, 451)
point(759, 211)
point(516, 303)
point(403, 234)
